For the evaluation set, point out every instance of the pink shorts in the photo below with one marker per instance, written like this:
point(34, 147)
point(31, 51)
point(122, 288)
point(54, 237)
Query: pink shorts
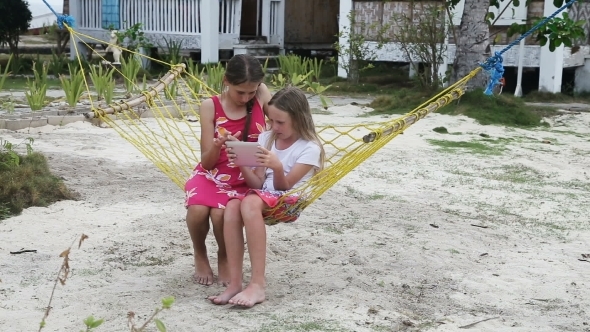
point(287, 212)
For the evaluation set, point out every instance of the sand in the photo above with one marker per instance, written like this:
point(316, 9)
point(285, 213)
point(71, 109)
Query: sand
point(417, 238)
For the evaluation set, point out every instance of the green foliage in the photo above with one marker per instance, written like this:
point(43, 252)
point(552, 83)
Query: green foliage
point(16, 18)
point(26, 180)
point(103, 81)
point(215, 73)
point(4, 74)
point(134, 37)
point(73, 86)
point(195, 82)
point(303, 73)
point(37, 88)
point(356, 55)
point(57, 63)
point(129, 69)
point(173, 55)
point(498, 110)
point(92, 323)
point(557, 31)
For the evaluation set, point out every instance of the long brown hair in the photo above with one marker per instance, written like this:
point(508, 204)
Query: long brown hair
point(293, 101)
point(242, 68)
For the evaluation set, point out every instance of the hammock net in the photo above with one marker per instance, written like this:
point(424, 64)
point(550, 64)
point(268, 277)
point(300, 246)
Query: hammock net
point(162, 122)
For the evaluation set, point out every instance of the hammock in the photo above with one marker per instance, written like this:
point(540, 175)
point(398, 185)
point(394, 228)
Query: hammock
point(170, 137)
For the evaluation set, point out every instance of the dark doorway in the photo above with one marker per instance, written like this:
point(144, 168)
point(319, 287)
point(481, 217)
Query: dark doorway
point(250, 24)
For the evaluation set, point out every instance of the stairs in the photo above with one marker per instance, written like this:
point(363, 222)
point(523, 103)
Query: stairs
point(261, 50)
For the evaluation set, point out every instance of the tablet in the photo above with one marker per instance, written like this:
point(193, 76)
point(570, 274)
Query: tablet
point(245, 152)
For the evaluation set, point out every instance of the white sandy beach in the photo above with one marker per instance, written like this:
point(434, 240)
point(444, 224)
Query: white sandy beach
point(417, 238)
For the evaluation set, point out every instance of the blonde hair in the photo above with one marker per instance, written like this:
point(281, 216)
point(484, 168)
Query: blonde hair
point(293, 101)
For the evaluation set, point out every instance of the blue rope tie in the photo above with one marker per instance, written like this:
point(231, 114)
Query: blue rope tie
point(62, 18)
point(493, 65)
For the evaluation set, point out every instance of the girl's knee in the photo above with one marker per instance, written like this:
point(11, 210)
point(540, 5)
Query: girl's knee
point(197, 212)
point(232, 209)
point(252, 204)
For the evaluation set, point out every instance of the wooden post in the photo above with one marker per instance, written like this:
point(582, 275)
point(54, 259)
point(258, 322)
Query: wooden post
point(210, 31)
point(344, 23)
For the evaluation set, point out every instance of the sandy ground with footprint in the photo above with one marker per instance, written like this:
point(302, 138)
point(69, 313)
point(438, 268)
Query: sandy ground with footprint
point(423, 236)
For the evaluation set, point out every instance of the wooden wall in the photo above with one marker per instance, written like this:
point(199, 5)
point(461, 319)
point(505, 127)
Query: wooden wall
point(311, 21)
point(382, 12)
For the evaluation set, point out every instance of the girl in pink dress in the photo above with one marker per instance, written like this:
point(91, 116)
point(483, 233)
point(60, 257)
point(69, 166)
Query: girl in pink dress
point(238, 112)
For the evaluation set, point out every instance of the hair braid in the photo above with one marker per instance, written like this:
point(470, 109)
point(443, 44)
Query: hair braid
point(249, 106)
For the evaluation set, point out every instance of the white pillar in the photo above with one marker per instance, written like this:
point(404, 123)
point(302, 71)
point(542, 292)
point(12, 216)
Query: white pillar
point(74, 12)
point(344, 25)
point(551, 63)
point(518, 90)
point(210, 31)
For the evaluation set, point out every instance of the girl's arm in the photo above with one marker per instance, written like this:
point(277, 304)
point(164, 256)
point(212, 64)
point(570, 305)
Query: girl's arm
point(286, 182)
point(309, 158)
point(254, 177)
point(210, 147)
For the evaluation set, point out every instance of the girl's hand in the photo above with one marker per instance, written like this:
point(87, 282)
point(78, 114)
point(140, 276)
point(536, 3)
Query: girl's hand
point(219, 142)
point(231, 156)
point(268, 159)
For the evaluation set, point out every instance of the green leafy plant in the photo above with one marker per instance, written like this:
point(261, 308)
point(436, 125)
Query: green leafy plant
point(8, 105)
point(129, 69)
point(57, 63)
point(195, 82)
point(171, 91)
point(556, 32)
point(6, 72)
point(134, 37)
point(73, 86)
point(8, 156)
point(92, 323)
point(215, 76)
point(37, 88)
point(173, 55)
point(100, 79)
point(356, 55)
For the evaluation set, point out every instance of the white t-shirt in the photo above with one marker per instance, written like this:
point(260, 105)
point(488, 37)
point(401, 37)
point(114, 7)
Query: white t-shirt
point(300, 152)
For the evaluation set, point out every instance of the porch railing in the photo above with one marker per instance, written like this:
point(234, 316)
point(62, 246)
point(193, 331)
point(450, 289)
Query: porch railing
point(158, 16)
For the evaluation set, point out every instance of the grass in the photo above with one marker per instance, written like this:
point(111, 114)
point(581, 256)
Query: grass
point(467, 146)
point(31, 183)
point(546, 97)
point(294, 324)
point(20, 83)
point(499, 110)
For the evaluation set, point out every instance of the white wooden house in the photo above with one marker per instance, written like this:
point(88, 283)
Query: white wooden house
point(207, 26)
point(528, 54)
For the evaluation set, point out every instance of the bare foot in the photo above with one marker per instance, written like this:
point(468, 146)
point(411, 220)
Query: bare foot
point(224, 297)
point(223, 269)
point(253, 294)
point(203, 273)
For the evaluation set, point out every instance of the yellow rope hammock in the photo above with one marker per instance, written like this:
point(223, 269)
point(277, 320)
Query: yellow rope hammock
point(171, 139)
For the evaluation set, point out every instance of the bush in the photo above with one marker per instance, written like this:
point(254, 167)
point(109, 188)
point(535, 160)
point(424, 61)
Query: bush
point(26, 181)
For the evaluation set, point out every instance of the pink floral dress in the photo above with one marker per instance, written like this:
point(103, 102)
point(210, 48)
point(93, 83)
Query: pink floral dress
point(214, 187)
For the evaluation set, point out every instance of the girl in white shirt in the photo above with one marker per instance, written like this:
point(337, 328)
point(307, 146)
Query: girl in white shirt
point(289, 155)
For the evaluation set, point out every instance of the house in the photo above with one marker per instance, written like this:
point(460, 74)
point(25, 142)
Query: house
point(549, 66)
point(263, 27)
point(210, 26)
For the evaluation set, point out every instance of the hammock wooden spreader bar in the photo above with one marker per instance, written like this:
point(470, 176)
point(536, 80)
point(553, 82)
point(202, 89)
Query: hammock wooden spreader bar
point(146, 96)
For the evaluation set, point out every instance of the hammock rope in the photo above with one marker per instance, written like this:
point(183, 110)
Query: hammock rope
point(171, 139)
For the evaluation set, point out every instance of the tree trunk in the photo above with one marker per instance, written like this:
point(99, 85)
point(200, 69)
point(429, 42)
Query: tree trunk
point(354, 74)
point(473, 40)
